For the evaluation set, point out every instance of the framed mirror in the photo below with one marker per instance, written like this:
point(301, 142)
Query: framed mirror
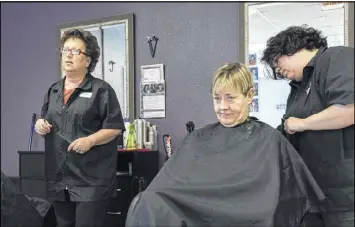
point(116, 62)
point(263, 20)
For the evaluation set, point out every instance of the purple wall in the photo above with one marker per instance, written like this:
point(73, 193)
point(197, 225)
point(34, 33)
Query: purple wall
point(194, 39)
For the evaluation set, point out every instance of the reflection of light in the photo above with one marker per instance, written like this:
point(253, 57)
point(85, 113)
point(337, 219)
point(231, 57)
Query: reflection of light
point(252, 11)
point(122, 96)
point(331, 5)
point(260, 6)
point(125, 102)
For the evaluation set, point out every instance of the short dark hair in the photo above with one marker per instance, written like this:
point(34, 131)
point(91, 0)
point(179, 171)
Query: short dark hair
point(290, 41)
point(91, 45)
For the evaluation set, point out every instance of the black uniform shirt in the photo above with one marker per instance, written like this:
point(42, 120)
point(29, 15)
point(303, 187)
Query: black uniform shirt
point(328, 79)
point(91, 107)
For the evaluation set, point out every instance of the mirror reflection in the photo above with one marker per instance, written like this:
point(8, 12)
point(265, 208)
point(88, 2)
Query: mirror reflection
point(264, 20)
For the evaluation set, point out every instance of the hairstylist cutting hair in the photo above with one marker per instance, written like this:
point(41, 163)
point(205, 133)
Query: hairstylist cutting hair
point(319, 119)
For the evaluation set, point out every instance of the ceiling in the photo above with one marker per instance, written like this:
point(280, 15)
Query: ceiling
point(266, 20)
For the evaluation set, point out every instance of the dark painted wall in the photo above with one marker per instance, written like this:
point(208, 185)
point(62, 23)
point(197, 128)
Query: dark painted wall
point(194, 39)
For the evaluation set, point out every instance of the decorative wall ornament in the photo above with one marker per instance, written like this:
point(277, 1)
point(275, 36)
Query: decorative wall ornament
point(152, 41)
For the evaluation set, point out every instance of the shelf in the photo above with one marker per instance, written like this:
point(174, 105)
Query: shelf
point(134, 150)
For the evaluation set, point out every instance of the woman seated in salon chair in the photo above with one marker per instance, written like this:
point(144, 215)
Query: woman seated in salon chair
point(236, 172)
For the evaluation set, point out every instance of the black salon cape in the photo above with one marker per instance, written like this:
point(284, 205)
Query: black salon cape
point(249, 175)
point(16, 208)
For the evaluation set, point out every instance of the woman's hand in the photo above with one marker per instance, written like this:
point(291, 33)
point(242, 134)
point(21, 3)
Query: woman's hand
point(81, 145)
point(42, 127)
point(293, 125)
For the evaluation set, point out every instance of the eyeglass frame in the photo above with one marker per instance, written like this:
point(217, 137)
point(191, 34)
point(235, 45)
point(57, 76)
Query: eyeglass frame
point(71, 51)
point(275, 66)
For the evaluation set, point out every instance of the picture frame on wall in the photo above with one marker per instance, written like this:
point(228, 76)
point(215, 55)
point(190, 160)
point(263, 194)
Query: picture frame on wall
point(151, 73)
point(256, 89)
point(252, 59)
point(254, 105)
point(152, 93)
point(254, 71)
point(115, 36)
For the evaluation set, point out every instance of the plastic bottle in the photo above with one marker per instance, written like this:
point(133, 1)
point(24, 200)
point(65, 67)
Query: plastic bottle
point(139, 133)
point(131, 139)
point(155, 141)
point(125, 133)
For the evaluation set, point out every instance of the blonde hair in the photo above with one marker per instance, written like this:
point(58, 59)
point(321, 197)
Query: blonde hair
point(233, 75)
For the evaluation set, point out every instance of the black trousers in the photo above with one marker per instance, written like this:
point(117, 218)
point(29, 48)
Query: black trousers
point(80, 214)
point(329, 219)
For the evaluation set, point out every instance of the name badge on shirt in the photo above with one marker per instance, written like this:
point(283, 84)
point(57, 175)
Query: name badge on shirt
point(85, 94)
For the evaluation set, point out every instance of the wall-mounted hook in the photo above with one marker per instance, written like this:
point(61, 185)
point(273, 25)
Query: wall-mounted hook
point(152, 40)
point(111, 63)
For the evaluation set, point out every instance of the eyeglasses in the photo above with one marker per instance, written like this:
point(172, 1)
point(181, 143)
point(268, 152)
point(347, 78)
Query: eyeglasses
point(276, 71)
point(66, 51)
point(279, 73)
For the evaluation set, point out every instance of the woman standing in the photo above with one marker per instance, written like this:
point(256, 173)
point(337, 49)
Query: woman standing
point(81, 118)
point(319, 119)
